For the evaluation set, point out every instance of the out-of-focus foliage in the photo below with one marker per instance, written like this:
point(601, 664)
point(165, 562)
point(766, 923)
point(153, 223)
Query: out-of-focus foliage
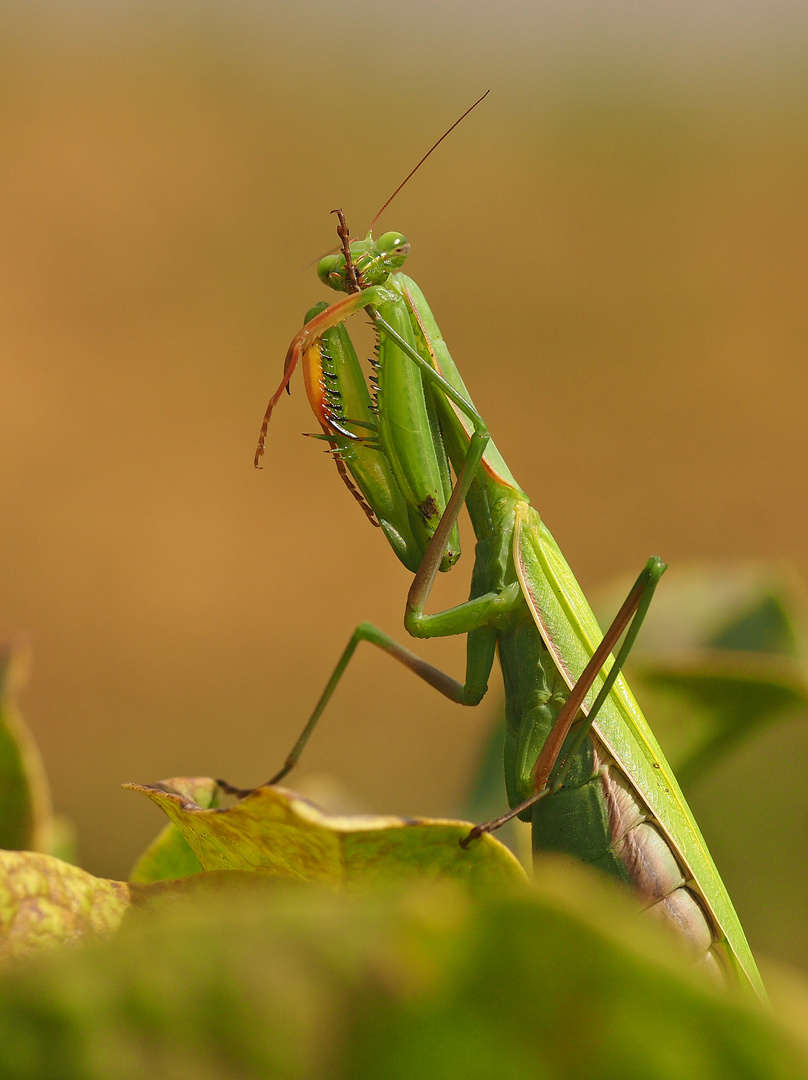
point(25, 817)
point(219, 966)
point(725, 655)
point(46, 902)
point(298, 983)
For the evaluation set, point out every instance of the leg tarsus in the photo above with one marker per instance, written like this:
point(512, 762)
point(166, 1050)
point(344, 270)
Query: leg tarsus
point(497, 823)
point(239, 793)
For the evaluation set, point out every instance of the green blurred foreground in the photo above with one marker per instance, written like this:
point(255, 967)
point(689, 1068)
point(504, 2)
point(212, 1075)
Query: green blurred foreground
point(272, 939)
point(424, 982)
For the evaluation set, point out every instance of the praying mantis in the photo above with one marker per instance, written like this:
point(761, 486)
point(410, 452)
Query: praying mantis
point(581, 763)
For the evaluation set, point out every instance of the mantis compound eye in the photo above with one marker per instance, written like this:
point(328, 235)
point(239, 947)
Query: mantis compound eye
point(331, 270)
point(393, 248)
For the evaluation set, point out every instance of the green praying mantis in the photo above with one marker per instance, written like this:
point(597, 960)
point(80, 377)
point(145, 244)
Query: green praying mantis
point(581, 763)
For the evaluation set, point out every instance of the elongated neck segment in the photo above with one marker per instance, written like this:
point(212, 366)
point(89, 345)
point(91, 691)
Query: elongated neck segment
point(456, 425)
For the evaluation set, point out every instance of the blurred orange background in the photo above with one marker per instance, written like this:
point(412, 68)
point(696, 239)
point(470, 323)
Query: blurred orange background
point(616, 248)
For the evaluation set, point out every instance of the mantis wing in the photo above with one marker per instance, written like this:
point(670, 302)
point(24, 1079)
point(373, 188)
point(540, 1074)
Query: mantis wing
point(571, 633)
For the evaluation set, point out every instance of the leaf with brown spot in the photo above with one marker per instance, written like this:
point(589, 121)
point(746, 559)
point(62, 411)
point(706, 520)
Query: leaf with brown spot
point(169, 856)
point(44, 901)
point(276, 831)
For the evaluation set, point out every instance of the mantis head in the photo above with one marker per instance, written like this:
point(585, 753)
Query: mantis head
point(374, 261)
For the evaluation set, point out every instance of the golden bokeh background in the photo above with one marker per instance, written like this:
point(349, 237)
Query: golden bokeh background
point(616, 248)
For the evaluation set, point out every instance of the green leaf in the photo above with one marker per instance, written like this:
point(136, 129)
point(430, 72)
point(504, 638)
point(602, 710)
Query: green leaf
point(716, 699)
point(25, 817)
point(303, 984)
point(277, 831)
point(749, 608)
point(767, 625)
point(44, 901)
point(169, 856)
